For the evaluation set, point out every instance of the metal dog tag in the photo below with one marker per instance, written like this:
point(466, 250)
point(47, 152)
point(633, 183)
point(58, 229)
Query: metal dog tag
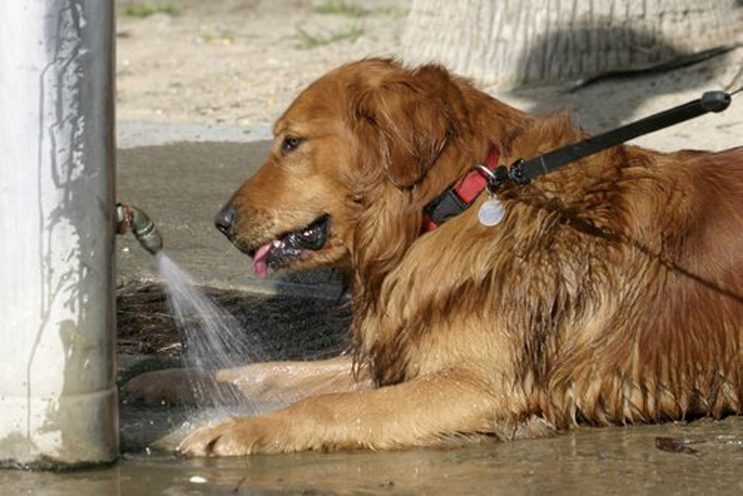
point(491, 212)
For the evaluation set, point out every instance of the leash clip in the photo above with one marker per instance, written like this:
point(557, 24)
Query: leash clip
point(502, 174)
point(494, 179)
point(516, 173)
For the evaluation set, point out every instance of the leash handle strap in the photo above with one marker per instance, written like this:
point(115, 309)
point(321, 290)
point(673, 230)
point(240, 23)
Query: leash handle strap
point(711, 101)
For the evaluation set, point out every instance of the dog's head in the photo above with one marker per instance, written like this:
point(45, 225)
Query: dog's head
point(351, 153)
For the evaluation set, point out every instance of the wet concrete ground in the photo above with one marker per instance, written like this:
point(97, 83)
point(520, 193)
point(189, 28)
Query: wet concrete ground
point(587, 461)
point(272, 327)
point(181, 186)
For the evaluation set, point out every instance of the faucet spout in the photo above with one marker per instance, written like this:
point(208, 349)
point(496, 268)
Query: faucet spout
point(132, 218)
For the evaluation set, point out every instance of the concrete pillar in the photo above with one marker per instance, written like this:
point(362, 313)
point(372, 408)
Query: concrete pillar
point(58, 404)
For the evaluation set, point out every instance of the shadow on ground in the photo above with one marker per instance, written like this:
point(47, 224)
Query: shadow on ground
point(615, 95)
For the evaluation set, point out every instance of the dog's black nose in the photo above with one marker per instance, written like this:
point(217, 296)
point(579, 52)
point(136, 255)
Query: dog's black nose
point(225, 220)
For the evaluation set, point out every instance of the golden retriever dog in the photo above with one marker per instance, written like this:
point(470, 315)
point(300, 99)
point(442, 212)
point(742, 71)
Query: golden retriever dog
point(609, 294)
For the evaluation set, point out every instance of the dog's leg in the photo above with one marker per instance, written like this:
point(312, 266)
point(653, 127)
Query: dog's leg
point(282, 381)
point(176, 387)
point(270, 381)
point(425, 411)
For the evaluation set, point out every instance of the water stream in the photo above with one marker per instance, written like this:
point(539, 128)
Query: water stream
point(222, 329)
point(214, 340)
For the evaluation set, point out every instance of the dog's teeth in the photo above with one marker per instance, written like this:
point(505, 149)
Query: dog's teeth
point(276, 243)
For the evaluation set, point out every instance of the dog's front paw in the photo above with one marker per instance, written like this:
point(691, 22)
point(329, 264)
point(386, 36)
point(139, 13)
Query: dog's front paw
point(235, 437)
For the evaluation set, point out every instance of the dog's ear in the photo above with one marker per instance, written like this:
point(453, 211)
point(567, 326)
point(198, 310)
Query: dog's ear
point(413, 115)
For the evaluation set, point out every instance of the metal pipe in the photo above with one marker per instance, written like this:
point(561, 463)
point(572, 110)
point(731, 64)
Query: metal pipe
point(132, 218)
point(58, 402)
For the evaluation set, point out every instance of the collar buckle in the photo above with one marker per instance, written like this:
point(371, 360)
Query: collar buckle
point(446, 205)
point(462, 195)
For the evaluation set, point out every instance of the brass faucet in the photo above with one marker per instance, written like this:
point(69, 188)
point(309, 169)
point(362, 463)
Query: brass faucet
point(131, 218)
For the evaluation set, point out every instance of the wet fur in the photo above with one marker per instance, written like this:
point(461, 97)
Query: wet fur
point(609, 294)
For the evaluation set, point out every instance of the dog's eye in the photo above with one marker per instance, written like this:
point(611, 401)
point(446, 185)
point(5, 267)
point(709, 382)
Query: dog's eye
point(290, 144)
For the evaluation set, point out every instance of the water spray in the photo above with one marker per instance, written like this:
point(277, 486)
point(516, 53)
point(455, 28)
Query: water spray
point(132, 218)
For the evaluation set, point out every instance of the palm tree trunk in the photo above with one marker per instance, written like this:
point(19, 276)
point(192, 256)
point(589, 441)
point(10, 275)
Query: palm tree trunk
point(511, 42)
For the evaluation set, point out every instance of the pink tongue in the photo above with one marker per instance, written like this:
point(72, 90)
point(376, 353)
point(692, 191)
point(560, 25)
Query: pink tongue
point(259, 265)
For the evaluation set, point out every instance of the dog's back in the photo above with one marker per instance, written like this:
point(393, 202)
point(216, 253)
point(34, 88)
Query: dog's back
point(699, 304)
point(669, 341)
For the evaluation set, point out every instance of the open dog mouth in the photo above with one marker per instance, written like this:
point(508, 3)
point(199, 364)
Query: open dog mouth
point(290, 246)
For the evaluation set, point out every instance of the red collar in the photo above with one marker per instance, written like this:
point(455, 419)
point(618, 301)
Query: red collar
point(459, 197)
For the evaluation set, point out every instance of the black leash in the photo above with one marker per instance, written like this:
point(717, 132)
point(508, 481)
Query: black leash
point(523, 171)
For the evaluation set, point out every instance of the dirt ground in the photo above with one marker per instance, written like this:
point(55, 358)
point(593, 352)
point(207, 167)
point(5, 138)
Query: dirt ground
point(241, 62)
point(238, 61)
